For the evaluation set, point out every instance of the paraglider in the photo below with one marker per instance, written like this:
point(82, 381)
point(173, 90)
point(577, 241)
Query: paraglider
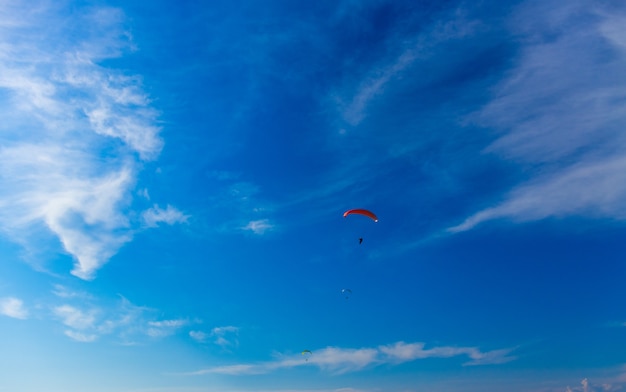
point(346, 293)
point(364, 212)
point(306, 354)
point(361, 211)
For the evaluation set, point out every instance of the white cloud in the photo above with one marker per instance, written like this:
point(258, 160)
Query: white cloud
point(403, 352)
point(169, 323)
point(73, 131)
point(65, 292)
point(199, 336)
point(615, 384)
point(75, 318)
point(81, 208)
point(355, 111)
point(259, 226)
point(170, 215)
point(225, 336)
point(234, 370)
point(354, 107)
point(82, 324)
point(560, 113)
point(493, 357)
point(242, 202)
point(13, 307)
point(342, 360)
point(595, 189)
point(81, 337)
point(137, 131)
point(89, 319)
point(164, 328)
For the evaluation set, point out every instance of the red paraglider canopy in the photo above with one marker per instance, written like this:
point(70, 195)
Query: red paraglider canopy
point(361, 211)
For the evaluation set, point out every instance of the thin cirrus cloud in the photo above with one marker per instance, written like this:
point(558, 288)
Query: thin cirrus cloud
point(80, 324)
point(354, 105)
point(588, 386)
point(87, 319)
point(343, 360)
point(13, 307)
point(162, 328)
point(225, 337)
point(73, 132)
point(170, 215)
point(563, 113)
point(199, 336)
point(75, 318)
point(259, 226)
point(243, 202)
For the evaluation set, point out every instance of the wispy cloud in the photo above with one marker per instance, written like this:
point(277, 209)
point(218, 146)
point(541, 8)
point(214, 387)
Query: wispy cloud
point(13, 307)
point(199, 336)
point(170, 215)
point(65, 292)
point(73, 131)
point(246, 209)
point(88, 319)
point(80, 336)
point(259, 226)
point(354, 107)
point(594, 189)
point(164, 328)
point(342, 360)
point(225, 336)
point(588, 386)
point(403, 352)
point(75, 318)
point(559, 112)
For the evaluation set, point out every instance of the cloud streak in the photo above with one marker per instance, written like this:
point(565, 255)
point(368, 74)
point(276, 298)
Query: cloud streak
point(258, 226)
point(354, 108)
point(164, 328)
point(560, 115)
point(343, 360)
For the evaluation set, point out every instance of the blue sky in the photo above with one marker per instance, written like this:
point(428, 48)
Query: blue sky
point(173, 178)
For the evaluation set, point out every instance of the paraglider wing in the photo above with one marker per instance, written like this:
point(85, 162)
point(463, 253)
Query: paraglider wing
point(361, 211)
point(307, 354)
point(346, 293)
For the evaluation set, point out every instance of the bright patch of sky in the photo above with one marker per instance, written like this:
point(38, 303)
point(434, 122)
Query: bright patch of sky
point(173, 178)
